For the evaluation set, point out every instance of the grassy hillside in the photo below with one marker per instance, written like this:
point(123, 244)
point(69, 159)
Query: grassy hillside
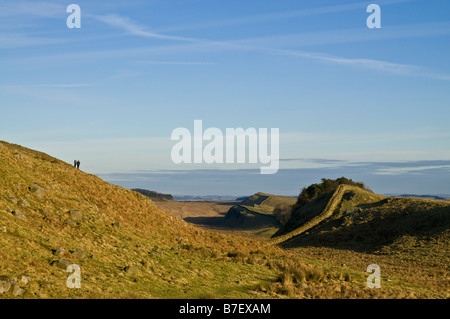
point(53, 215)
point(352, 228)
point(357, 220)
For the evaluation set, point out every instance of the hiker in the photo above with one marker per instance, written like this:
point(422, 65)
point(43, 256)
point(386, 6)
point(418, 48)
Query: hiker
point(78, 164)
point(75, 163)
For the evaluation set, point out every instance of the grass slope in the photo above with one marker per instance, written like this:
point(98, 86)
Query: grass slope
point(53, 215)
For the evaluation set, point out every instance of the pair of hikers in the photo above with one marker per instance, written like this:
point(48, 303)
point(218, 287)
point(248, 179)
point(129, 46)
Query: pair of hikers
point(76, 164)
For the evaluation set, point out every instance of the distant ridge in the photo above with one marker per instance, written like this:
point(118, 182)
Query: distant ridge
point(437, 197)
point(205, 198)
point(257, 212)
point(153, 194)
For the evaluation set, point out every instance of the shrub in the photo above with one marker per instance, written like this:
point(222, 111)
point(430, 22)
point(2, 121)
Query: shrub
point(328, 185)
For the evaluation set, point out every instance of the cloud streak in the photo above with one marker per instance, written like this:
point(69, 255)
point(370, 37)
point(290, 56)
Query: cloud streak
point(260, 18)
point(133, 28)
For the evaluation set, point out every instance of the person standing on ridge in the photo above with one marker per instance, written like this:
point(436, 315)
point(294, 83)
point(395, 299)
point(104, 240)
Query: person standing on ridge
point(75, 163)
point(78, 164)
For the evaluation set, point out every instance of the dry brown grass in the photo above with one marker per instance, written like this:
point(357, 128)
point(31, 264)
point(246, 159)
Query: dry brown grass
point(175, 259)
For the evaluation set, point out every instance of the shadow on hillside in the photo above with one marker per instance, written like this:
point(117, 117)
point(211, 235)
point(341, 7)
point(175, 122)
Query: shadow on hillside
point(215, 222)
point(245, 223)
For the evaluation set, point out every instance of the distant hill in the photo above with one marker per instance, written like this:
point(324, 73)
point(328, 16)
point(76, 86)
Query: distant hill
point(422, 196)
point(153, 194)
point(210, 198)
point(256, 212)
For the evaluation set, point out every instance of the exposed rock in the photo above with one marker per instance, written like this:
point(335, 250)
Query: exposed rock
point(25, 280)
point(4, 229)
point(61, 263)
point(37, 190)
point(60, 251)
point(156, 251)
point(116, 224)
point(19, 156)
point(76, 215)
point(5, 285)
point(23, 203)
point(12, 199)
point(71, 222)
point(79, 253)
point(9, 210)
point(17, 291)
point(19, 214)
point(132, 270)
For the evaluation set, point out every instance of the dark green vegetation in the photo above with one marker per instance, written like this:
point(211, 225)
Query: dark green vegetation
point(326, 186)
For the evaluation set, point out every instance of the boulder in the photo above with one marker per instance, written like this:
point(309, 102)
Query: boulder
point(131, 270)
point(19, 214)
point(5, 285)
point(79, 253)
point(23, 203)
point(60, 251)
point(116, 224)
point(25, 280)
point(76, 215)
point(61, 263)
point(71, 222)
point(13, 199)
point(17, 291)
point(37, 190)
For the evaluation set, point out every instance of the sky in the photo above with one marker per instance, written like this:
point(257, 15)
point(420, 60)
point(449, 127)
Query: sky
point(368, 104)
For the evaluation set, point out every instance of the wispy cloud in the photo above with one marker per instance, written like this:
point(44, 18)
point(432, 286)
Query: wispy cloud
point(284, 15)
point(40, 9)
point(261, 46)
point(56, 85)
point(410, 169)
point(133, 28)
point(364, 63)
point(351, 35)
point(18, 40)
point(173, 62)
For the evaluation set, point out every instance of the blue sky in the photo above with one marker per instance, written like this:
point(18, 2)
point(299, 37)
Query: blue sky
point(342, 95)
